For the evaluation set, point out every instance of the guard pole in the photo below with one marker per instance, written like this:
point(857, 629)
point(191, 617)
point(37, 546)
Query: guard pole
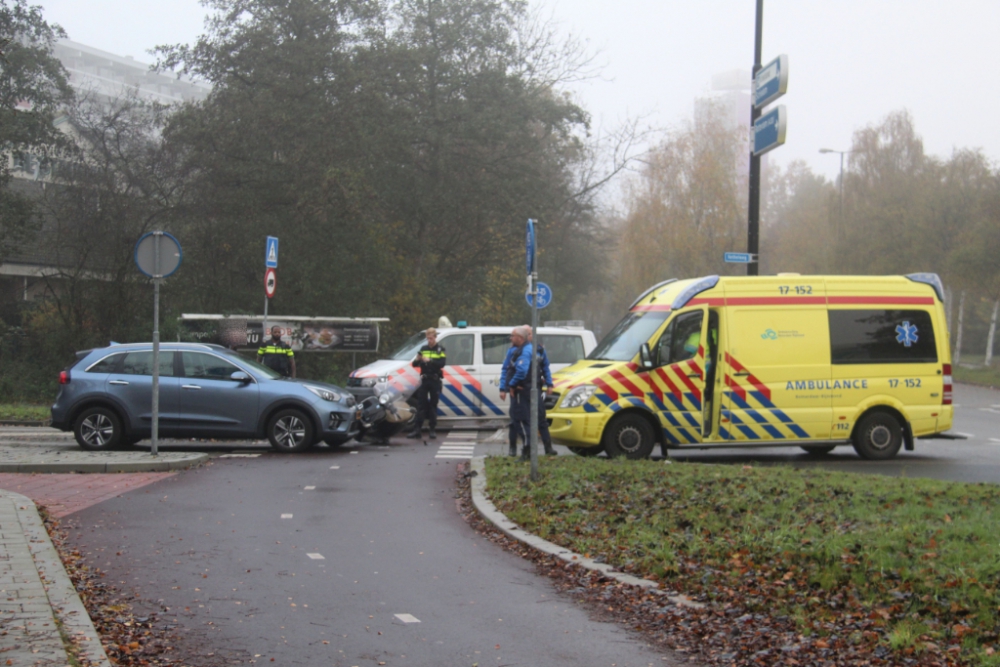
point(533, 438)
point(753, 223)
point(263, 333)
point(157, 279)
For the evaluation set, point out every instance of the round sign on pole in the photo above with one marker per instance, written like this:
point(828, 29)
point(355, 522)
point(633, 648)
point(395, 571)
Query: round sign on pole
point(170, 254)
point(270, 282)
point(544, 295)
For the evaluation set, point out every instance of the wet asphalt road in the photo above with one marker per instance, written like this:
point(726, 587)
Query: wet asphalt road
point(394, 570)
point(372, 566)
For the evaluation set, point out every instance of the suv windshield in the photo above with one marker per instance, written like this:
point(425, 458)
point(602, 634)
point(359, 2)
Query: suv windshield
point(260, 368)
point(624, 341)
point(410, 347)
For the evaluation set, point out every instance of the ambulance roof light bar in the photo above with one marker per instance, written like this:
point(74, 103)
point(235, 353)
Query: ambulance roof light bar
point(932, 279)
point(706, 283)
point(651, 290)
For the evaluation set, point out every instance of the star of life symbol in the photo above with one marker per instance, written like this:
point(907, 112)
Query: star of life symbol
point(906, 334)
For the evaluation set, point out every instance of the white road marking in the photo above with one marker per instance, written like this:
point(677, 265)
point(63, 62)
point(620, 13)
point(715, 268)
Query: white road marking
point(239, 456)
point(991, 410)
point(286, 516)
point(316, 556)
point(354, 452)
point(309, 488)
point(464, 448)
point(453, 456)
point(967, 435)
point(996, 440)
point(334, 467)
point(407, 618)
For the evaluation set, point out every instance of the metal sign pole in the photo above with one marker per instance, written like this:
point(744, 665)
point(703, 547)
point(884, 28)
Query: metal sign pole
point(263, 334)
point(157, 278)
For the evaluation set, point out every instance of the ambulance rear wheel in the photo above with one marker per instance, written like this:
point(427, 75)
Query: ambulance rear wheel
point(818, 450)
point(629, 436)
point(878, 436)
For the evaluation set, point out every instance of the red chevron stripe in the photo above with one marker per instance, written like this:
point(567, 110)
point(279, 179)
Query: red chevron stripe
point(653, 387)
point(697, 369)
point(625, 382)
point(606, 388)
point(751, 378)
point(453, 382)
point(731, 383)
point(678, 369)
point(674, 389)
point(473, 381)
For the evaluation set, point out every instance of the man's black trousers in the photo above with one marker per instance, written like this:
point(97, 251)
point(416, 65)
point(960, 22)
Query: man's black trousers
point(428, 394)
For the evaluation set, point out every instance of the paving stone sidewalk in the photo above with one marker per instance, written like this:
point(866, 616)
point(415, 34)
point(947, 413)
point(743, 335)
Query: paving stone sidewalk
point(37, 596)
point(27, 449)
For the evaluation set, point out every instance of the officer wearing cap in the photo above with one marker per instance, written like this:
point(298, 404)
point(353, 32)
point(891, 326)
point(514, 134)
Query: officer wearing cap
point(277, 354)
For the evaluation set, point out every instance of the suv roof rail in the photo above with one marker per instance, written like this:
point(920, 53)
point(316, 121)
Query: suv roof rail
point(651, 290)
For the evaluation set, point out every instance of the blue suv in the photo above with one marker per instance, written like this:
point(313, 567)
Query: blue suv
point(206, 391)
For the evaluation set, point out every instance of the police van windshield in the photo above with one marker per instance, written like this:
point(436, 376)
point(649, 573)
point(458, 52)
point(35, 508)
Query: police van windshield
point(410, 347)
point(624, 341)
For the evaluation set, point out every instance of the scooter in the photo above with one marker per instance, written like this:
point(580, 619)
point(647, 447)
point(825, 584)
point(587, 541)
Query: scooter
point(385, 413)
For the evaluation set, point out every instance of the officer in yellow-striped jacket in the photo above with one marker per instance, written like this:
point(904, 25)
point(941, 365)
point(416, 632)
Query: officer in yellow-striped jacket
point(277, 355)
point(430, 361)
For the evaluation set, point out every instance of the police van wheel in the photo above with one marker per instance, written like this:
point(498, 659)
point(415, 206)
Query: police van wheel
point(290, 431)
point(586, 451)
point(878, 436)
point(818, 450)
point(629, 436)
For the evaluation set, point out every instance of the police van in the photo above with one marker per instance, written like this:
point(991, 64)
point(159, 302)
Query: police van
point(811, 361)
point(475, 354)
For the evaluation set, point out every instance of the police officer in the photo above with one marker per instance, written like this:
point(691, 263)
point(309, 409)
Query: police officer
point(277, 355)
point(513, 427)
point(519, 381)
point(430, 361)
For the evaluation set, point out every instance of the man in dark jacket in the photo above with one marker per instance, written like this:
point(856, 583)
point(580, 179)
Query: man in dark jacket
point(430, 361)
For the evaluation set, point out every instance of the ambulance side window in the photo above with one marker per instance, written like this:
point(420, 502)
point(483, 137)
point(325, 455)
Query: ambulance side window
point(681, 339)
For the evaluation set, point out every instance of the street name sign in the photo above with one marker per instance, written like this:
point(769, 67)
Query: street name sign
point(769, 130)
point(739, 258)
point(771, 82)
point(271, 254)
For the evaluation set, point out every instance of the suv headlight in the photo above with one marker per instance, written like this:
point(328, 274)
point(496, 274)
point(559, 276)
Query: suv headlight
point(577, 396)
point(324, 393)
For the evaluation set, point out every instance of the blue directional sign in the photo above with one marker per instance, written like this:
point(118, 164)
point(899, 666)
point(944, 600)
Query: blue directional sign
point(271, 254)
point(530, 245)
point(771, 82)
point(739, 258)
point(769, 130)
point(544, 295)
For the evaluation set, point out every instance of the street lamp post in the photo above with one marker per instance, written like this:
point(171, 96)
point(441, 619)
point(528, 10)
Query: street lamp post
point(842, 154)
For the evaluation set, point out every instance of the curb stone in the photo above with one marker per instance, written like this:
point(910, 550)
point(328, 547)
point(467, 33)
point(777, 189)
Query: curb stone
point(57, 591)
point(488, 511)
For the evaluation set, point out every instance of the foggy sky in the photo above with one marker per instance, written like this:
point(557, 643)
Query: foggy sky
point(851, 62)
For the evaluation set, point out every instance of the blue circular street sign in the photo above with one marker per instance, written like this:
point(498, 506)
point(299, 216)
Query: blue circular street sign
point(158, 254)
point(544, 295)
point(530, 245)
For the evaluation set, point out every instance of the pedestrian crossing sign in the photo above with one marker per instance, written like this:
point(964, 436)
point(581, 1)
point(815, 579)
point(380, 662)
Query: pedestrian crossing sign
point(271, 256)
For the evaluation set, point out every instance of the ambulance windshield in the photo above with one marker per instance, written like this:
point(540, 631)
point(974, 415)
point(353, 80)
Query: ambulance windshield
point(624, 341)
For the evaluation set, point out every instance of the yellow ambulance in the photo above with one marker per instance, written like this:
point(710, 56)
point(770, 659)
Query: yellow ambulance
point(811, 361)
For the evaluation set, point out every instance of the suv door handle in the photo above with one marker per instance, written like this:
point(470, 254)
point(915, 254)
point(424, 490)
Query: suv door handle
point(117, 382)
point(190, 386)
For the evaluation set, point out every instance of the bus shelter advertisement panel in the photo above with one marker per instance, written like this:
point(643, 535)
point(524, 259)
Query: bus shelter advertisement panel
point(312, 336)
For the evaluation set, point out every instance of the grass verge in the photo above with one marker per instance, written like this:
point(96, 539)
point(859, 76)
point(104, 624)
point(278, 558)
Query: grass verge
point(24, 412)
point(905, 565)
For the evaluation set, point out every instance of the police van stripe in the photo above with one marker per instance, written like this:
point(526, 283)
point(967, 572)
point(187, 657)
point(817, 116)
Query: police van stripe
point(461, 396)
point(485, 401)
point(451, 406)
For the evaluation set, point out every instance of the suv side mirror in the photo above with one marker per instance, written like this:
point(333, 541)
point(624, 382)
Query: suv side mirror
point(645, 357)
point(240, 376)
